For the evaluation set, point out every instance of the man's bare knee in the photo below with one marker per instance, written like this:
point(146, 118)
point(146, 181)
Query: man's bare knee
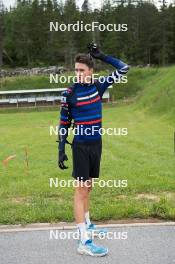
point(81, 192)
point(89, 185)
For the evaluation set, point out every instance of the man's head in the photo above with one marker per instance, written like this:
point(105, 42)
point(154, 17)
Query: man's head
point(83, 68)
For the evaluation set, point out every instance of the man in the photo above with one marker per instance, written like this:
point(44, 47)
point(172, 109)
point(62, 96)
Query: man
point(83, 103)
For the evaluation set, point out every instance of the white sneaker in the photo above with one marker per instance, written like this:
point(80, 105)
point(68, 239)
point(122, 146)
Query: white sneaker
point(91, 249)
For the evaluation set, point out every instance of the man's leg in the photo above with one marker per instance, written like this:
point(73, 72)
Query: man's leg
point(86, 204)
point(80, 198)
point(91, 228)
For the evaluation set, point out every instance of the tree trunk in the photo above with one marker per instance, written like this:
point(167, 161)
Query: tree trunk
point(1, 60)
point(1, 33)
point(1, 48)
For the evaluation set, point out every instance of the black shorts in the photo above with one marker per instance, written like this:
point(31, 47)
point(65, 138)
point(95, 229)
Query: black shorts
point(86, 160)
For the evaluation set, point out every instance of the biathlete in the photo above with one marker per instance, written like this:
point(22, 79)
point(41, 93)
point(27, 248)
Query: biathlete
point(83, 103)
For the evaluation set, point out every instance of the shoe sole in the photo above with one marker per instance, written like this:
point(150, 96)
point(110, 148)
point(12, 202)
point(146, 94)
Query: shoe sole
point(84, 252)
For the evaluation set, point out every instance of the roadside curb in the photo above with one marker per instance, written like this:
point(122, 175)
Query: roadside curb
point(65, 226)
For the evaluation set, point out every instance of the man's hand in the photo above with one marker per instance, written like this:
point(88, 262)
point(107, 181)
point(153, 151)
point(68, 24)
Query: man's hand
point(95, 51)
point(61, 158)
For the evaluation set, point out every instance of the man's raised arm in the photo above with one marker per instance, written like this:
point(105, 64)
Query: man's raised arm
point(121, 67)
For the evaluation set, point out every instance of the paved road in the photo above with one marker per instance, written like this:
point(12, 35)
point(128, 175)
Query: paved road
point(132, 245)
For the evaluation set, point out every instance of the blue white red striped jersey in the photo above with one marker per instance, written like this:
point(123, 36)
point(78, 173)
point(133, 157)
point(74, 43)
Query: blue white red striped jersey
point(82, 103)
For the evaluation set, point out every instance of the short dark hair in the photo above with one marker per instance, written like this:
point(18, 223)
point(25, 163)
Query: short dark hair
point(85, 59)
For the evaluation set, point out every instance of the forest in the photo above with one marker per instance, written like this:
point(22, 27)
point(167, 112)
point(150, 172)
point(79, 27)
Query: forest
point(27, 41)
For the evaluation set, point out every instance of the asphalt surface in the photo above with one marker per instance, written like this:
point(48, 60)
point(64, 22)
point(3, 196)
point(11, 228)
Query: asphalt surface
point(129, 245)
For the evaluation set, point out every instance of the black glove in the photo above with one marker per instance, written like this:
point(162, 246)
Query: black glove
point(95, 51)
point(61, 158)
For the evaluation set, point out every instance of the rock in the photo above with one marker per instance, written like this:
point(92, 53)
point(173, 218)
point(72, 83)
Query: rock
point(32, 71)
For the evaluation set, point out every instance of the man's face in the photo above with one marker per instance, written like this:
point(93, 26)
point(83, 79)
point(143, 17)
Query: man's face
point(83, 73)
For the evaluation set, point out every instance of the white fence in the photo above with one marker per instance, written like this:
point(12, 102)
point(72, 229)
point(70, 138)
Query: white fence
point(35, 97)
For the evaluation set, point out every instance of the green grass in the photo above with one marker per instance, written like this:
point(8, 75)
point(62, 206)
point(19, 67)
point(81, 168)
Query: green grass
point(158, 95)
point(145, 158)
point(27, 83)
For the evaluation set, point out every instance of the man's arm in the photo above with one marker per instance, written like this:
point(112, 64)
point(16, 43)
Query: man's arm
point(65, 123)
point(121, 67)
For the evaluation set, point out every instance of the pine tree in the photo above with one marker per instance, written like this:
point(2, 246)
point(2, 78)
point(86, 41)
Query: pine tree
point(68, 37)
point(1, 31)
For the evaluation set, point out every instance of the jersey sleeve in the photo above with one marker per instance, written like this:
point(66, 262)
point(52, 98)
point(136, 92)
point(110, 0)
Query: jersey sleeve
point(121, 69)
point(65, 119)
